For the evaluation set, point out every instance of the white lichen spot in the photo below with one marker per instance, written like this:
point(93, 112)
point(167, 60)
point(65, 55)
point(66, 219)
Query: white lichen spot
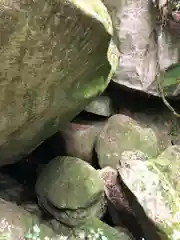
point(116, 154)
point(63, 238)
point(4, 224)
point(36, 229)
point(96, 235)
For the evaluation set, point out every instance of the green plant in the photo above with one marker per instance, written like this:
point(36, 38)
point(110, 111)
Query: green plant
point(33, 234)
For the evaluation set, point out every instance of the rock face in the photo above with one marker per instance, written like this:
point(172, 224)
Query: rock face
point(70, 189)
point(160, 123)
point(155, 182)
point(53, 60)
point(124, 207)
point(16, 223)
point(147, 192)
point(143, 42)
point(122, 133)
point(169, 164)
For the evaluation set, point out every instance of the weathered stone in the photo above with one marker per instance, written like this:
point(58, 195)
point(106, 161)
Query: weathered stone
point(53, 61)
point(99, 230)
point(123, 206)
point(155, 182)
point(169, 164)
point(148, 43)
point(16, 223)
point(70, 189)
point(101, 105)
point(77, 139)
point(160, 123)
point(122, 133)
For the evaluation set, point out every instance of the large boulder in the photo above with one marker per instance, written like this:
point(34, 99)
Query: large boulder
point(16, 223)
point(53, 61)
point(148, 43)
point(123, 206)
point(155, 182)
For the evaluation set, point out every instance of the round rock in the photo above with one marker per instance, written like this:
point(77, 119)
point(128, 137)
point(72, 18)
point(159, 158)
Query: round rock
point(122, 133)
point(70, 189)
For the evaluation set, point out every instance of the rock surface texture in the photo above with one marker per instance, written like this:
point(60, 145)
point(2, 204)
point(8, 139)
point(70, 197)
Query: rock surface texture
point(122, 133)
point(106, 158)
point(148, 43)
point(53, 59)
point(70, 189)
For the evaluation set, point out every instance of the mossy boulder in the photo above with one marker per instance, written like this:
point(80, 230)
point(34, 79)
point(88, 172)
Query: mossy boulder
point(160, 122)
point(16, 223)
point(71, 190)
point(122, 133)
point(169, 164)
point(53, 62)
point(155, 182)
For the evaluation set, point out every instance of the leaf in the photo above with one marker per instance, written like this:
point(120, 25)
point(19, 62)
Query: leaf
point(172, 75)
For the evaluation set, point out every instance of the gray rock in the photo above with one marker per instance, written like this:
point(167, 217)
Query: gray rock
point(101, 105)
point(155, 182)
point(16, 223)
point(53, 62)
point(143, 42)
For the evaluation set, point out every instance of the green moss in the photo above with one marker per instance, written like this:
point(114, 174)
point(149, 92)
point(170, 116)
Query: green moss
point(110, 233)
point(166, 168)
point(97, 9)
